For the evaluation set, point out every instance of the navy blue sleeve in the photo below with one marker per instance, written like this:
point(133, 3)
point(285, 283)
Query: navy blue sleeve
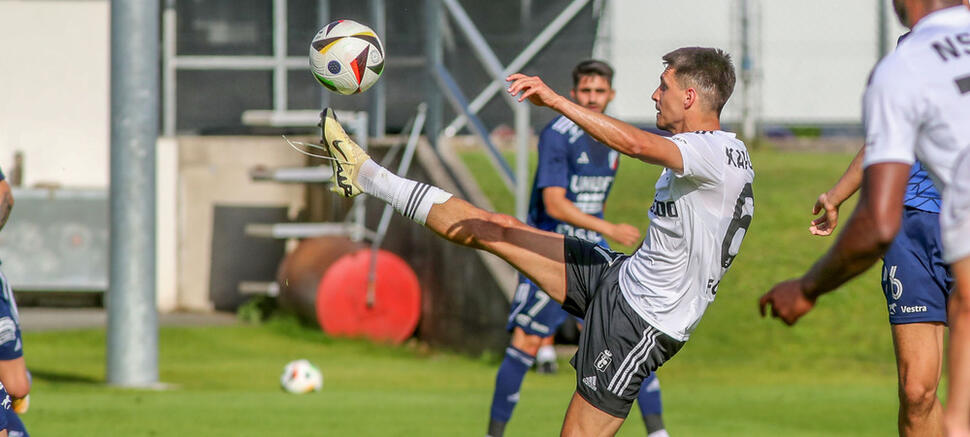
point(11, 346)
point(553, 167)
point(2, 177)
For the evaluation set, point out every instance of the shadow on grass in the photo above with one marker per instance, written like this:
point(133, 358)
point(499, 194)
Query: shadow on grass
point(51, 376)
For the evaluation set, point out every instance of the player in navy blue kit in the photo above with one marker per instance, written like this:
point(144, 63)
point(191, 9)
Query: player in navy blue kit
point(13, 371)
point(572, 181)
point(916, 105)
point(6, 413)
point(916, 283)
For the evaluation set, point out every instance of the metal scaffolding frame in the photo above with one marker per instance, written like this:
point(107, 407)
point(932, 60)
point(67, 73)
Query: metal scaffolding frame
point(442, 84)
point(279, 62)
point(517, 182)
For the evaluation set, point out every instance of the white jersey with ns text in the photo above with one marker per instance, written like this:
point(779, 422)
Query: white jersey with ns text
point(697, 221)
point(917, 104)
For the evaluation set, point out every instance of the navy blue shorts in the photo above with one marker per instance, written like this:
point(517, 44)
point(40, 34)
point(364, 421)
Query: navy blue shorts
point(534, 311)
point(915, 279)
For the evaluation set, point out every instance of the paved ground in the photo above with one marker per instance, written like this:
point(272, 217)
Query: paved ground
point(34, 319)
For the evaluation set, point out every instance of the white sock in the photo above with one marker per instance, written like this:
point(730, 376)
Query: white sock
point(546, 354)
point(659, 433)
point(410, 198)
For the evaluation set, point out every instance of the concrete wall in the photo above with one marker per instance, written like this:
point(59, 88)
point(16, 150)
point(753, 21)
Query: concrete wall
point(54, 96)
point(215, 170)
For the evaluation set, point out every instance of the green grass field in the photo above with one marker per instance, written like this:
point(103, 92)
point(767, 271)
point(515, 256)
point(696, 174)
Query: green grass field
point(833, 374)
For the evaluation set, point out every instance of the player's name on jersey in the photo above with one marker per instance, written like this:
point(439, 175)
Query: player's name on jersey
point(738, 158)
point(952, 46)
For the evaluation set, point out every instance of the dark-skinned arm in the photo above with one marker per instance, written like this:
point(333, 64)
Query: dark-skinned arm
point(869, 232)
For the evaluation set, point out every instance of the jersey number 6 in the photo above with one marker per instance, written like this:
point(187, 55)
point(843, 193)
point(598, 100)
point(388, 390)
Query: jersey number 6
point(743, 212)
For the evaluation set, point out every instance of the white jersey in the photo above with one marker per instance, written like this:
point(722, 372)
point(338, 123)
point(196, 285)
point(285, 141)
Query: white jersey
point(917, 103)
point(697, 222)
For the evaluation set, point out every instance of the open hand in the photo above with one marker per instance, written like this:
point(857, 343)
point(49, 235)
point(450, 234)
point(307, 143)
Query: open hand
point(627, 235)
point(826, 223)
point(788, 302)
point(532, 88)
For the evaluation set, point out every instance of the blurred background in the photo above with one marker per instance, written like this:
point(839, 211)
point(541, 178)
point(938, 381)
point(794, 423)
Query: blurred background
point(242, 223)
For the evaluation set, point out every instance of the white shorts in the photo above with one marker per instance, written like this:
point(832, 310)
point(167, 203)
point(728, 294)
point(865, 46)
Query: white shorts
point(955, 217)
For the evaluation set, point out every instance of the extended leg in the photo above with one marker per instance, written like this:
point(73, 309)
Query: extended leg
point(535, 253)
point(583, 419)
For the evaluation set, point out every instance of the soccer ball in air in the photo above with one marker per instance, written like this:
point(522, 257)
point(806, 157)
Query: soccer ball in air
point(301, 377)
point(346, 57)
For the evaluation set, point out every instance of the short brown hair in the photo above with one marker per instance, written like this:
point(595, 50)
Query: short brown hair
point(707, 70)
point(592, 67)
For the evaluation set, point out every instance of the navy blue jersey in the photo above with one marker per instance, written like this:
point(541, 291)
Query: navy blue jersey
point(920, 191)
point(11, 343)
point(586, 168)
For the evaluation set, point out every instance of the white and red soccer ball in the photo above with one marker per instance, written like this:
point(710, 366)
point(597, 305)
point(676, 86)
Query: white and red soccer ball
point(346, 57)
point(300, 377)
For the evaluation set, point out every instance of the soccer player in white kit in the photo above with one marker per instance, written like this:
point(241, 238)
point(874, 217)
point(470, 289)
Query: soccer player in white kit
point(640, 309)
point(917, 104)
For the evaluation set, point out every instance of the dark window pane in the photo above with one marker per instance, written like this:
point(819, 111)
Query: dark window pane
point(224, 27)
point(358, 11)
point(304, 91)
point(212, 102)
point(405, 28)
point(405, 90)
point(302, 24)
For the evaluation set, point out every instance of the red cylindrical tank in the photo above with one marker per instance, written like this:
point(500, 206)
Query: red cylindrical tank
point(342, 298)
point(325, 280)
point(300, 272)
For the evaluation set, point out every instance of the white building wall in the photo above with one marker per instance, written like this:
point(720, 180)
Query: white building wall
point(814, 58)
point(54, 90)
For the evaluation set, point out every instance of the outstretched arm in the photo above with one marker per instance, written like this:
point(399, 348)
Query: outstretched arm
point(868, 234)
point(560, 208)
point(622, 137)
point(831, 200)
